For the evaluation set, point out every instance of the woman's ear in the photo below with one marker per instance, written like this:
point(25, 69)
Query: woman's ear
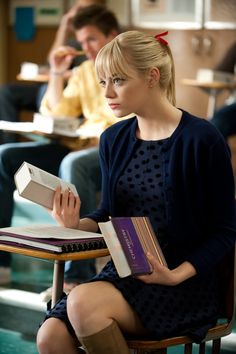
point(153, 77)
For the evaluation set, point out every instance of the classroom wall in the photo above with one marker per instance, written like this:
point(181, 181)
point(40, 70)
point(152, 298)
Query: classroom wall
point(32, 51)
point(187, 62)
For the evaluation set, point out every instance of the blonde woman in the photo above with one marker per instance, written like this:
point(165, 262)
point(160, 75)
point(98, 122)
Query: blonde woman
point(166, 164)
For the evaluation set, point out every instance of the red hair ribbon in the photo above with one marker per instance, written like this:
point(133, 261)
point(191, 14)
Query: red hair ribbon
point(160, 39)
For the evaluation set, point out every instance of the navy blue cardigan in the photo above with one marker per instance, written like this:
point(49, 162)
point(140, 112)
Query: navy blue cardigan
point(198, 188)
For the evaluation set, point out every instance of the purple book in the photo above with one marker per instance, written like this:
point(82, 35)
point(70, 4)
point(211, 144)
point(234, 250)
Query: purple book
point(137, 237)
point(131, 245)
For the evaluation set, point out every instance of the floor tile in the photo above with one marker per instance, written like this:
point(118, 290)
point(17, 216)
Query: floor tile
point(13, 343)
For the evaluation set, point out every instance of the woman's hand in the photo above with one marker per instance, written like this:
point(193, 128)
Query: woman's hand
point(66, 209)
point(164, 276)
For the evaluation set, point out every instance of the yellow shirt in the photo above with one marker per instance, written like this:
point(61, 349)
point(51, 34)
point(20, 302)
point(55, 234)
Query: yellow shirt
point(82, 96)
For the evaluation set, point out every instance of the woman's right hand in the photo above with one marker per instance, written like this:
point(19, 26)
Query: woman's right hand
point(66, 209)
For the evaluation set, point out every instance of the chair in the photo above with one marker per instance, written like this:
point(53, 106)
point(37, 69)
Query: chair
point(228, 287)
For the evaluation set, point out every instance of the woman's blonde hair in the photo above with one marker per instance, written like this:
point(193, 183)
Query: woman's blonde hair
point(138, 51)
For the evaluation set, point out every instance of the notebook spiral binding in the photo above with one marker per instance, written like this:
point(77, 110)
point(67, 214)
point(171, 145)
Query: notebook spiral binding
point(76, 247)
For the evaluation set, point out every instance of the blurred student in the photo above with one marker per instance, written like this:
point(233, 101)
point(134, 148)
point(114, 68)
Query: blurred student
point(15, 97)
point(94, 27)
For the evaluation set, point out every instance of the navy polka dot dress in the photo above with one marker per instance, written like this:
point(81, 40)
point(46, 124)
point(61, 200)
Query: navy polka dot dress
point(188, 308)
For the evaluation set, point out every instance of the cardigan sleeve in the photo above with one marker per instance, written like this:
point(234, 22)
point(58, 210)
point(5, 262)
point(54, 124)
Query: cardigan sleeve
point(220, 231)
point(103, 212)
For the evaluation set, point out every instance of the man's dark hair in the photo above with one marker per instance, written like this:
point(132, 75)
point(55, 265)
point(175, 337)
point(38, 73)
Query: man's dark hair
point(98, 16)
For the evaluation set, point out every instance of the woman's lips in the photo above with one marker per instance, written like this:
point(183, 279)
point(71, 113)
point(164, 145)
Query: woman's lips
point(114, 105)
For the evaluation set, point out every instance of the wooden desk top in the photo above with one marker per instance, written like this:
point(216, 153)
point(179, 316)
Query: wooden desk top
point(55, 256)
point(38, 78)
point(209, 85)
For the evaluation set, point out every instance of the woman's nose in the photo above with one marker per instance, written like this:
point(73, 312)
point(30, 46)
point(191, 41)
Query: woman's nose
point(109, 91)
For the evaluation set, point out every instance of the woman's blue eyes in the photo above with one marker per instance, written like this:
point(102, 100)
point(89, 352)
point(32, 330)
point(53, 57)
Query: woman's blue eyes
point(116, 81)
point(102, 83)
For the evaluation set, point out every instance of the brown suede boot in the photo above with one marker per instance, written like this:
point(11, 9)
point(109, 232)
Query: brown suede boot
point(108, 341)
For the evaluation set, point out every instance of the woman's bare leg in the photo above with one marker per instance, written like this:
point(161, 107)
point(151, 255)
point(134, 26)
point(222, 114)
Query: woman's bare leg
point(54, 338)
point(94, 306)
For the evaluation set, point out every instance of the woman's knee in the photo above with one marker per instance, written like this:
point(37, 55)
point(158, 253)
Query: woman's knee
point(79, 303)
point(51, 335)
point(86, 304)
point(91, 301)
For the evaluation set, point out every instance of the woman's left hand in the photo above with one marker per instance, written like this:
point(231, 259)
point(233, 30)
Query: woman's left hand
point(66, 208)
point(164, 276)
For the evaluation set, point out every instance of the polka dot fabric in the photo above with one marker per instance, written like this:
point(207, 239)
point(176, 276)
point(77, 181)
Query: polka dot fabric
point(188, 308)
point(140, 188)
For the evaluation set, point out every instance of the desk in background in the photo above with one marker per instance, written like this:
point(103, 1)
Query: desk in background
point(40, 78)
point(59, 262)
point(212, 88)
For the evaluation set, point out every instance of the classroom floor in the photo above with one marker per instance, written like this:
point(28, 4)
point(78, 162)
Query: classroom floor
point(19, 322)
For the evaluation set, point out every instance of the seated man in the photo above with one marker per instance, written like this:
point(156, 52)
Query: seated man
point(15, 97)
point(94, 27)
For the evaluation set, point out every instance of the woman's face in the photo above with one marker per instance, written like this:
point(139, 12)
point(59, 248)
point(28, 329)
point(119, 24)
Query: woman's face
point(125, 95)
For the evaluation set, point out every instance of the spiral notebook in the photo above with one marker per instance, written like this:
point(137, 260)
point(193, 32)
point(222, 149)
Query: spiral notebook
point(51, 238)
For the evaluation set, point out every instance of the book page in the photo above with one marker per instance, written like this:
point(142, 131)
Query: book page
point(67, 133)
point(24, 127)
point(49, 231)
point(31, 127)
point(56, 124)
point(34, 127)
point(32, 243)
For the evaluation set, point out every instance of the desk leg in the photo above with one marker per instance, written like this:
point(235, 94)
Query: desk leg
point(211, 103)
point(58, 279)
